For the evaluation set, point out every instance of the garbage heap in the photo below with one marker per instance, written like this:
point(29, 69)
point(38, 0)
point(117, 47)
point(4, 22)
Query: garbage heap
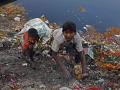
point(103, 67)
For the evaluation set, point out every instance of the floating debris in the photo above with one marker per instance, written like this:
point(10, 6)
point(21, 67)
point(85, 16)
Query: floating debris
point(82, 10)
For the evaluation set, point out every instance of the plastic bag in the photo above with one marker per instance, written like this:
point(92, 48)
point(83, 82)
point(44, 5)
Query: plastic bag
point(44, 31)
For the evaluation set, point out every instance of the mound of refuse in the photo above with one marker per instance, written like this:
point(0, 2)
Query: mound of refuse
point(102, 53)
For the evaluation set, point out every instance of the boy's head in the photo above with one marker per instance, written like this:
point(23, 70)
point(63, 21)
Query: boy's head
point(33, 35)
point(69, 30)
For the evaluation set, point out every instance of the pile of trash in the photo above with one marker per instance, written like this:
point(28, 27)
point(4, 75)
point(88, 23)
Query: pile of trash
point(102, 56)
point(13, 18)
point(10, 11)
point(16, 74)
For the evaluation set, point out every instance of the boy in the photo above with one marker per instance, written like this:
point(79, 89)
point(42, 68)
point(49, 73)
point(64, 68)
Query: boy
point(30, 38)
point(70, 38)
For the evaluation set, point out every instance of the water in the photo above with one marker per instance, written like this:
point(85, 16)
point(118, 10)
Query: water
point(100, 13)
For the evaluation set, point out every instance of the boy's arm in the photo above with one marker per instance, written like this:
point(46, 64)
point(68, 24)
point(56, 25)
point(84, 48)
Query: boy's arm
point(80, 52)
point(83, 61)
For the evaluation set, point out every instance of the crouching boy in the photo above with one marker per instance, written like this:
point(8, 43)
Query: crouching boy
point(30, 38)
point(67, 36)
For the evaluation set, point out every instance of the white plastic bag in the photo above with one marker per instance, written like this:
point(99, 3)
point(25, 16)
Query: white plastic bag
point(43, 30)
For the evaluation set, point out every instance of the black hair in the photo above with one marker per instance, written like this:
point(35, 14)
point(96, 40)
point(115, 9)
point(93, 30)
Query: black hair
point(69, 26)
point(33, 33)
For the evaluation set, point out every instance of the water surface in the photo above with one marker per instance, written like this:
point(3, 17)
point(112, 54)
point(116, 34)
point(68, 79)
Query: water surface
point(100, 13)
